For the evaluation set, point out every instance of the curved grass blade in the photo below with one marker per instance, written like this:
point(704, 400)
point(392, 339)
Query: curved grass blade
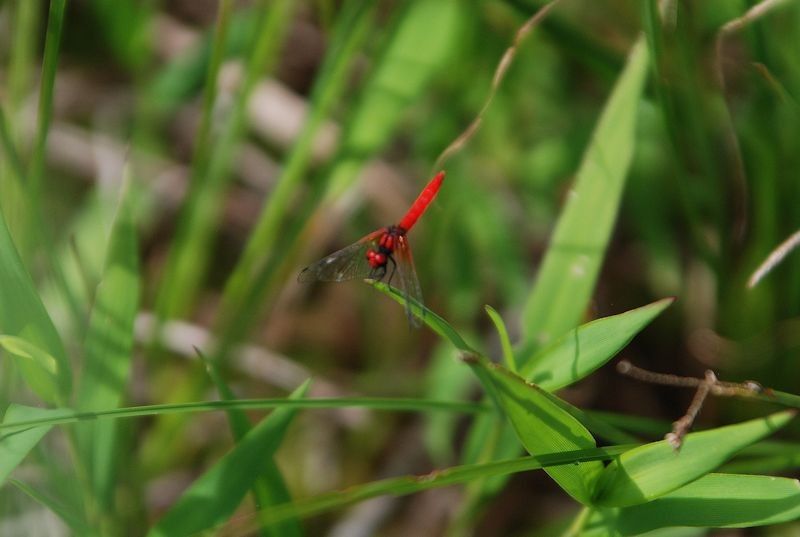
point(213, 497)
point(581, 351)
point(433, 320)
point(655, 469)
point(401, 486)
point(502, 333)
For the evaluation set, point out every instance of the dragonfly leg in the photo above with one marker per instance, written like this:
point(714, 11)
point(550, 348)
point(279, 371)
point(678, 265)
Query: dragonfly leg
point(394, 268)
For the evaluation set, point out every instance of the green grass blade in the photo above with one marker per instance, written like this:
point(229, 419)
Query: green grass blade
point(717, 501)
point(23, 315)
point(433, 320)
point(55, 24)
point(567, 276)
point(541, 425)
point(505, 342)
point(108, 349)
point(15, 445)
point(178, 283)
point(189, 260)
point(581, 351)
point(401, 486)
point(655, 469)
point(373, 403)
point(212, 498)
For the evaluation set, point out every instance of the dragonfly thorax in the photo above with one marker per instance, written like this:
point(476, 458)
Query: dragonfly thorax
point(378, 257)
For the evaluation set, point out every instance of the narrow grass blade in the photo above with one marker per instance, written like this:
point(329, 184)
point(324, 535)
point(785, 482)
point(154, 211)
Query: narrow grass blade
point(401, 486)
point(174, 295)
point(15, 445)
point(715, 501)
point(108, 350)
point(372, 403)
point(22, 315)
point(581, 351)
point(212, 498)
point(502, 333)
point(211, 168)
point(567, 276)
point(655, 469)
point(433, 320)
point(55, 24)
point(541, 425)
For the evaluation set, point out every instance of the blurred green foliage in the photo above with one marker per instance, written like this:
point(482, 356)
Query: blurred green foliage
point(635, 150)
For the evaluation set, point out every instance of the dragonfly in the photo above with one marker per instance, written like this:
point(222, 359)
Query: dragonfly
point(381, 255)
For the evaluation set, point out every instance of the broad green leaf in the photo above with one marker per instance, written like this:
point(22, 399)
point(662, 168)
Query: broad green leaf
point(541, 425)
point(108, 348)
point(400, 486)
point(213, 498)
point(655, 469)
point(713, 501)
point(581, 351)
point(22, 315)
point(14, 445)
point(570, 267)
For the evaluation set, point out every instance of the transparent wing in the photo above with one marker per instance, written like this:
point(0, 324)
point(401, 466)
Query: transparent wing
point(349, 263)
point(406, 279)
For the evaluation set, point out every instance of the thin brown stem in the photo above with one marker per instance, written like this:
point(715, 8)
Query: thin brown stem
point(499, 75)
point(709, 385)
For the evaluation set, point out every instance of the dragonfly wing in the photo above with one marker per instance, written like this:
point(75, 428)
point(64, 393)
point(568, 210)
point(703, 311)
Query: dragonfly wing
point(407, 281)
point(349, 263)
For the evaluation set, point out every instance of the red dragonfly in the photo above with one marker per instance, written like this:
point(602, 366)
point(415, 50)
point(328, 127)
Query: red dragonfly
point(384, 252)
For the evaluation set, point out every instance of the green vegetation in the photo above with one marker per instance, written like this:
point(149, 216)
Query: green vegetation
point(167, 168)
